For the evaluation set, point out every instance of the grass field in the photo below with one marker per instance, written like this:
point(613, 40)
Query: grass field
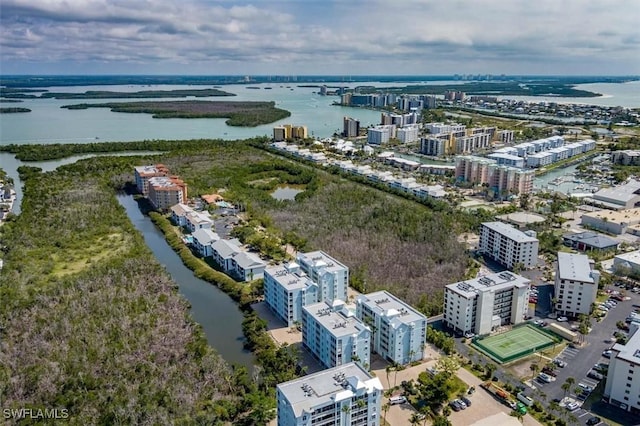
point(516, 343)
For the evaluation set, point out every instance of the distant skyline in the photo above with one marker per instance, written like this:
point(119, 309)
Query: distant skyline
point(320, 37)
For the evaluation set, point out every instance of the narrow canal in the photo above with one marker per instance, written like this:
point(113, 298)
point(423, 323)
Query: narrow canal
point(217, 313)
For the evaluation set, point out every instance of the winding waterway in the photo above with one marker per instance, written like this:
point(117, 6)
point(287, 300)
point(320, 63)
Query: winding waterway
point(217, 313)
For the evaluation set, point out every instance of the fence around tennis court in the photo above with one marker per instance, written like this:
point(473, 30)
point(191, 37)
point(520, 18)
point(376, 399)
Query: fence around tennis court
point(555, 339)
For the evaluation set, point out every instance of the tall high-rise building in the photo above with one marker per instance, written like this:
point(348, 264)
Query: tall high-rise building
point(346, 395)
point(351, 128)
point(622, 388)
point(483, 304)
point(576, 284)
point(508, 246)
point(334, 335)
point(399, 331)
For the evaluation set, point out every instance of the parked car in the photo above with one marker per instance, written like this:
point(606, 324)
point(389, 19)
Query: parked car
point(583, 396)
point(563, 319)
point(455, 406)
point(592, 374)
point(466, 400)
point(397, 400)
point(545, 378)
point(469, 335)
point(601, 367)
point(560, 363)
point(471, 390)
point(573, 406)
point(461, 403)
point(585, 387)
point(549, 371)
point(594, 421)
point(607, 353)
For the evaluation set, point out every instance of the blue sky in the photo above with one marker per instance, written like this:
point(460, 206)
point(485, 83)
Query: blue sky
point(409, 37)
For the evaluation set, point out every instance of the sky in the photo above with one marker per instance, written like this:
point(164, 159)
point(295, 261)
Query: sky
point(320, 37)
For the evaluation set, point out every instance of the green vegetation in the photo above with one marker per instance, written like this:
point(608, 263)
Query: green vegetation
point(104, 94)
point(13, 110)
point(432, 391)
point(92, 323)
point(491, 88)
point(441, 340)
point(245, 114)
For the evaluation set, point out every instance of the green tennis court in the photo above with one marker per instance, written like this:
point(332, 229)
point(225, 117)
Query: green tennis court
point(516, 343)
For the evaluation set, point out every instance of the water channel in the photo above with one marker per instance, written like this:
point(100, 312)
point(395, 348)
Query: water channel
point(217, 313)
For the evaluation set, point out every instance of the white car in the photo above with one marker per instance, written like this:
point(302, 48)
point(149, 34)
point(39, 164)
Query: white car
point(573, 406)
point(563, 319)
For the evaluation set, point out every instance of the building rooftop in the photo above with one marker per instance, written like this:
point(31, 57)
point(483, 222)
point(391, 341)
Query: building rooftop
point(631, 351)
point(574, 267)
point(226, 248)
point(494, 282)
point(617, 217)
point(164, 183)
point(151, 169)
point(181, 209)
point(632, 257)
point(289, 276)
point(521, 218)
point(622, 193)
point(205, 236)
point(595, 240)
point(319, 259)
point(336, 318)
point(248, 260)
point(509, 232)
point(386, 304)
point(331, 385)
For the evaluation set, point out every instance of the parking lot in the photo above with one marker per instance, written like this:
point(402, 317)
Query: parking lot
point(580, 361)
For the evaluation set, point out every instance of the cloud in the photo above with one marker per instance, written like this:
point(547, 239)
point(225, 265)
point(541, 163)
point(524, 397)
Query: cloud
point(321, 36)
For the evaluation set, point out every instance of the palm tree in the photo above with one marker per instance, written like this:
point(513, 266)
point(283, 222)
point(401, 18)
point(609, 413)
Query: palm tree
point(534, 367)
point(565, 387)
point(385, 408)
point(570, 380)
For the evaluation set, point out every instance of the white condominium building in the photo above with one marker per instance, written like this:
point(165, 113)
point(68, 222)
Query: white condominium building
point(482, 304)
point(399, 331)
point(346, 395)
point(287, 289)
point(576, 285)
point(334, 335)
point(508, 246)
point(623, 377)
point(331, 276)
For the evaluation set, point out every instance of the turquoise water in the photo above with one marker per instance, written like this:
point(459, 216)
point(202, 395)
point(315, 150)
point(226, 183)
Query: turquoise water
point(48, 123)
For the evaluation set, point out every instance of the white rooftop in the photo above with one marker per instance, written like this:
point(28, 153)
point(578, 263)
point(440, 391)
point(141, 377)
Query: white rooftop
point(336, 319)
point(493, 282)
point(574, 267)
point(289, 276)
point(320, 259)
point(631, 351)
point(326, 386)
point(509, 232)
point(386, 304)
